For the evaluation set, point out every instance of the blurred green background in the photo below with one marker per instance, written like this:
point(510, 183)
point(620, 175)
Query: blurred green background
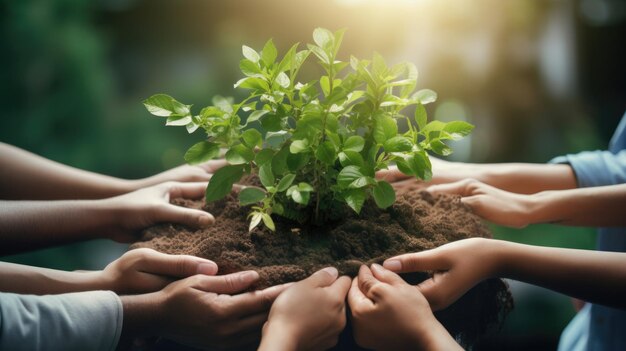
point(537, 78)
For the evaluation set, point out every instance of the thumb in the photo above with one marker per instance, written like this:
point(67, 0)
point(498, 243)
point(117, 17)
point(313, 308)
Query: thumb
point(430, 260)
point(463, 187)
point(182, 215)
point(385, 275)
point(226, 284)
point(324, 277)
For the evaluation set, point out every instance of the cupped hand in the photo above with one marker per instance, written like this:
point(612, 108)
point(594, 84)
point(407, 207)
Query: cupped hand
point(140, 209)
point(495, 205)
point(146, 270)
point(184, 173)
point(309, 315)
point(457, 267)
point(389, 314)
point(211, 312)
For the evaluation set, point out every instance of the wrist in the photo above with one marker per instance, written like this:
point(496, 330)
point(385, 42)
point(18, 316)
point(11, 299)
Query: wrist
point(434, 337)
point(539, 207)
point(279, 337)
point(142, 315)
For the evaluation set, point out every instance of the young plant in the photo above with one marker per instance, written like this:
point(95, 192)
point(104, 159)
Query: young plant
point(315, 146)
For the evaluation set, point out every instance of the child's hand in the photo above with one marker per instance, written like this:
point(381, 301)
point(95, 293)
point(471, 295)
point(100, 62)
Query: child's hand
point(140, 209)
point(495, 205)
point(309, 315)
point(389, 314)
point(145, 270)
point(458, 267)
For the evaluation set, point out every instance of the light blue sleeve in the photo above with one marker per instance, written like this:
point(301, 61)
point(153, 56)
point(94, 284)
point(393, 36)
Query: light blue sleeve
point(596, 168)
point(77, 321)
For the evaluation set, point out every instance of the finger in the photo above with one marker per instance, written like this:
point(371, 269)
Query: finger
point(430, 260)
point(187, 190)
point(340, 287)
point(213, 165)
point(368, 283)
point(180, 266)
point(254, 302)
point(461, 187)
point(386, 276)
point(440, 291)
point(182, 215)
point(226, 284)
point(356, 299)
point(323, 277)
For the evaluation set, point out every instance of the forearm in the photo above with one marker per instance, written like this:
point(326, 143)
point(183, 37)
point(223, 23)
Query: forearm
point(594, 276)
point(594, 207)
point(141, 317)
point(24, 175)
point(522, 178)
point(22, 279)
point(28, 225)
point(276, 338)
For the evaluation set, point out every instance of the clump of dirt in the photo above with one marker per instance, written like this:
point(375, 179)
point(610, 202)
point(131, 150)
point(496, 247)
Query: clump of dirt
point(417, 221)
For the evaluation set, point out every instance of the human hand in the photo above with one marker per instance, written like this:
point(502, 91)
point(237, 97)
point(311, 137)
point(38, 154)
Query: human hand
point(389, 314)
point(140, 209)
point(309, 315)
point(202, 311)
point(495, 205)
point(443, 171)
point(458, 267)
point(183, 173)
point(146, 270)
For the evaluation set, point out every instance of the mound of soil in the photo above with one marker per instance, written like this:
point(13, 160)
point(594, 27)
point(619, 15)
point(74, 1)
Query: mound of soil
point(417, 221)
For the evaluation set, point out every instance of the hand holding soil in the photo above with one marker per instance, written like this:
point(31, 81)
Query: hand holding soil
point(202, 311)
point(389, 314)
point(309, 315)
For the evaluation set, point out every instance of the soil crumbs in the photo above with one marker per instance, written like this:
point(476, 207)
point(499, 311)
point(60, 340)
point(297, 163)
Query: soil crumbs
point(417, 221)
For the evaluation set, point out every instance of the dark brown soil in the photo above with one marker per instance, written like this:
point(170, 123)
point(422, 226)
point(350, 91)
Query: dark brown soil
point(417, 221)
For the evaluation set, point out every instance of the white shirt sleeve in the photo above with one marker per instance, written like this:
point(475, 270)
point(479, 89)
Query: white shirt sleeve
point(77, 321)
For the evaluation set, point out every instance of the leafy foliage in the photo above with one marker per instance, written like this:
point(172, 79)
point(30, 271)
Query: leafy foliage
point(314, 145)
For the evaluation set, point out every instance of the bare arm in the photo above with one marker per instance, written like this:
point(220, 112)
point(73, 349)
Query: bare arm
point(28, 225)
point(598, 277)
point(600, 206)
point(522, 178)
point(26, 176)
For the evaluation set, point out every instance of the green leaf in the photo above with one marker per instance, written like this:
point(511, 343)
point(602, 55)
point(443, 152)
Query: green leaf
point(355, 199)
point(420, 165)
point(255, 115)
point(398, 144)
point(325, 85)
point(425, 96)
point(347, 175)
point(297, 161)
point(249, 68)
point(269, 223)
point(252, 138)
point(421, 118)
point(458, 129)
point(362, 182)
point(265, 175)
point(385, 128)
point(271, 122)
point(254, 83)
point(354, 143)
point(351, 158)
point(384, 195)
point(283, 80)
point(256, 219)
point(250, 54)
point(264, 156)
point(239, 154)
point(298, 146)
point(323, 37)
point(164, 106)
point(269, 53)
point(305, 187)
point(202, 152)
point(285, 182)
point(178, 120)
point(222, 182)
point(440, 148)
point(300, 197)
point(251, 195)
point(279, 162)
point(326, 153)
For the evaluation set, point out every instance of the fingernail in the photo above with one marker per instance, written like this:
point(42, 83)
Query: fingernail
point(248, 277)
point(377, 268)
point(207, 268)
point(393, 265)
point(332, 271)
